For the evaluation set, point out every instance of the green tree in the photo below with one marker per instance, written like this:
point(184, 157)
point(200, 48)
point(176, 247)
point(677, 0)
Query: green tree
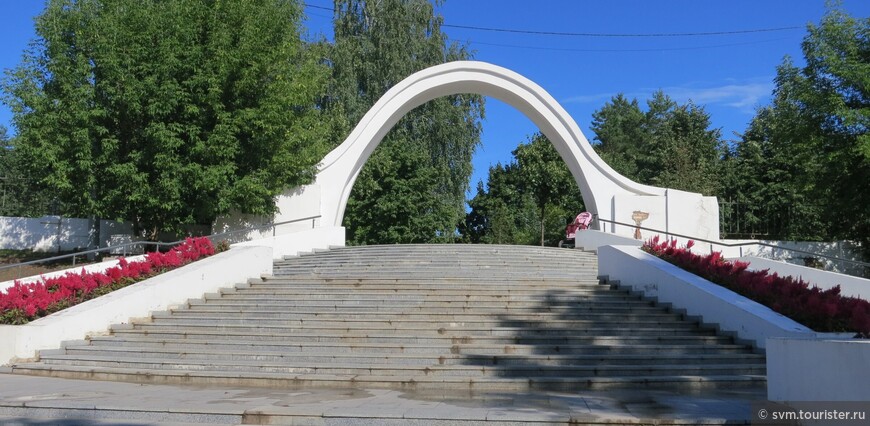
point(169, 113)
point(774, 173)
point(620, 133)
point(813, 139)
point(544, 175)
point(669, 145)
point(412, 189)
point(501, 212)
point(20, 195)
point(832, 93)
point(528, 201)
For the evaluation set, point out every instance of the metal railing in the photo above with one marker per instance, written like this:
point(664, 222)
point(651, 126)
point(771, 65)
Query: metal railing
point(157, 244)
point(724, 244)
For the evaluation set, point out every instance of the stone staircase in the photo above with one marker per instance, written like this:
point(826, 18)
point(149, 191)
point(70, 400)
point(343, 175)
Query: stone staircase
point(417, 317)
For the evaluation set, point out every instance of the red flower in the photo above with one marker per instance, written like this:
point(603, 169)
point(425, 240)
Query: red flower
point(820, 310)
point(40, 298)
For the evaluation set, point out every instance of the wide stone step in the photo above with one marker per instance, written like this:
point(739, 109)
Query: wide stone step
point(357, 298)
point(446, 254)
point(319, 291)
point(447, 251)
point(384, 273)
point(404, 338)
point(263, 354)
point(553, 282)
point(467, 370)
point(555, 265)
point(284, 347)
point(267, 313)
point(422, 329)
point(483, 308)
point(309, 285)
point(555, 268)
point(258, 322)
point(431, 300)
point(283, 381)
point(539, 262)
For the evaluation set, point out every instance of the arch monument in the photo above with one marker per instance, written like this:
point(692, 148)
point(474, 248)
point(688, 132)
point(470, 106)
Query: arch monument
point(605, 192)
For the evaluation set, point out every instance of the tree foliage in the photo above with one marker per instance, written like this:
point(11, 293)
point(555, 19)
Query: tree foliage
point(412, 189)
point(806, 157)
point(20, 194)
point(169, 113)
point(528, 201)
point(669, 145)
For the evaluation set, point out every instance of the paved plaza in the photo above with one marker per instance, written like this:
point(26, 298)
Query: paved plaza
point(51, 401)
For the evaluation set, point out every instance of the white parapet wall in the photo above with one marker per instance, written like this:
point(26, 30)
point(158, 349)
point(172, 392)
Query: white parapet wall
point(298, 210)
point(849, 285)
point(295, 243)
point(138, 300)
point(783, 251)
point(715, 304)
point(818, 369)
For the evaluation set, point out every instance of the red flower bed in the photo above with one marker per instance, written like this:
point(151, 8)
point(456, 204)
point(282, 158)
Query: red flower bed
point(23, 303)
point(820, 310)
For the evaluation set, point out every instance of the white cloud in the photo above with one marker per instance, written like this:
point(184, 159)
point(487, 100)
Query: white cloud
point(742, 95)
point(585, 99)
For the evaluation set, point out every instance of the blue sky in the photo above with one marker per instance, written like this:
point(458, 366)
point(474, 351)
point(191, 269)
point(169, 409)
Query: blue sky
point(730, 75)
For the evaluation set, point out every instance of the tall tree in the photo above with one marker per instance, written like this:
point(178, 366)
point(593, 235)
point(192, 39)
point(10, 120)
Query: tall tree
point(501, 211)
point(832, 93)
point(544, 175)
point(528, 201)
point(169, 113)
point(621, 135)
point(20, 193)
point(669, 145)
point(412, 189)
point(814, 137)
point(774, 173)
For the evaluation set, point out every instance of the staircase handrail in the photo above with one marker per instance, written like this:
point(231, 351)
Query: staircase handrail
point(740, 245)
point(124, 246)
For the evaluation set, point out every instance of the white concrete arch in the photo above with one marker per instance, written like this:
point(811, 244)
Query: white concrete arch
point(605, 192)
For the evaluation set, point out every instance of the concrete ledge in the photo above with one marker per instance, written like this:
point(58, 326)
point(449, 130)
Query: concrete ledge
point(849, 285)
point(655, 278)
point(136, 301)
point(293, 244)
point(818, 369)
point(591, 240)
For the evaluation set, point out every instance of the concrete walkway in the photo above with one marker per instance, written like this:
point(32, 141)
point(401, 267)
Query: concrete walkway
point(40, 401)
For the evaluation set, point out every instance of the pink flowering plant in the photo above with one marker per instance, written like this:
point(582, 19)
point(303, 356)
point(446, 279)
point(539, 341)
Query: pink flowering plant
point(820, 310)
point(23, 303)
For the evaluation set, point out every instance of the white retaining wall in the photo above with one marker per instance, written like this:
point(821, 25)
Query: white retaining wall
point(818, 369)
point(713, 303)
point(55, 233)
point(138, 300)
